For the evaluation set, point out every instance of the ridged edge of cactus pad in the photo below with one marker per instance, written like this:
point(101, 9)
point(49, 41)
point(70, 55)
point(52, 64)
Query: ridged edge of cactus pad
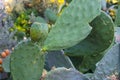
point(65, 74)
point(57, 59)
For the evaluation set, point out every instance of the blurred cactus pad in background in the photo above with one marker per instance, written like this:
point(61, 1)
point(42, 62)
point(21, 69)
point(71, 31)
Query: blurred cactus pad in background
point(59, 39)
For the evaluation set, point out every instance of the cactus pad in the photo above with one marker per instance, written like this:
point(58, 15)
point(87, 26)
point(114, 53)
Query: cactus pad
point(72, 26)
point(117, 20)
point(57, 59)
point(27, 61)
point(65, 74)
point(109, 65)
point(99, 39)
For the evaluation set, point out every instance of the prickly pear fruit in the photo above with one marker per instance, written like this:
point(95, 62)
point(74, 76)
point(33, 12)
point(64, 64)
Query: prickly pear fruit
point(39, 19)
point(50, 15)
point(38, 31)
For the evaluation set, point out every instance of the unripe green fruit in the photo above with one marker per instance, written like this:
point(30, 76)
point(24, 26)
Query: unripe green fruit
point(38, 31)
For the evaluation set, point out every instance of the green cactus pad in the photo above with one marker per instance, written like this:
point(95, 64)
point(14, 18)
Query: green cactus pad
point(27, 61)
point(87, 63)
point(38, 31)
point(72, 26)
point(117, 20)
point(57, 59)
point(109, 65)
point(99, 39)
point(65, 74)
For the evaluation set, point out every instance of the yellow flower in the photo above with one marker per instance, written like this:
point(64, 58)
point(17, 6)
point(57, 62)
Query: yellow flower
point(61, 1)
point(52, 1)
point(112, 13)
point(114, 1)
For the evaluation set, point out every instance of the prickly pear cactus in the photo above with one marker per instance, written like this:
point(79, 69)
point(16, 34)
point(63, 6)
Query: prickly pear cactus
point(38, 31)
point(72, 26)
point(50, 15)
point(87, 63)
point(57, 59)
point(65, 74)
point(39, 19)
point(27, 61)
point(109, 65)
point(117, 20)
point(99, 39)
